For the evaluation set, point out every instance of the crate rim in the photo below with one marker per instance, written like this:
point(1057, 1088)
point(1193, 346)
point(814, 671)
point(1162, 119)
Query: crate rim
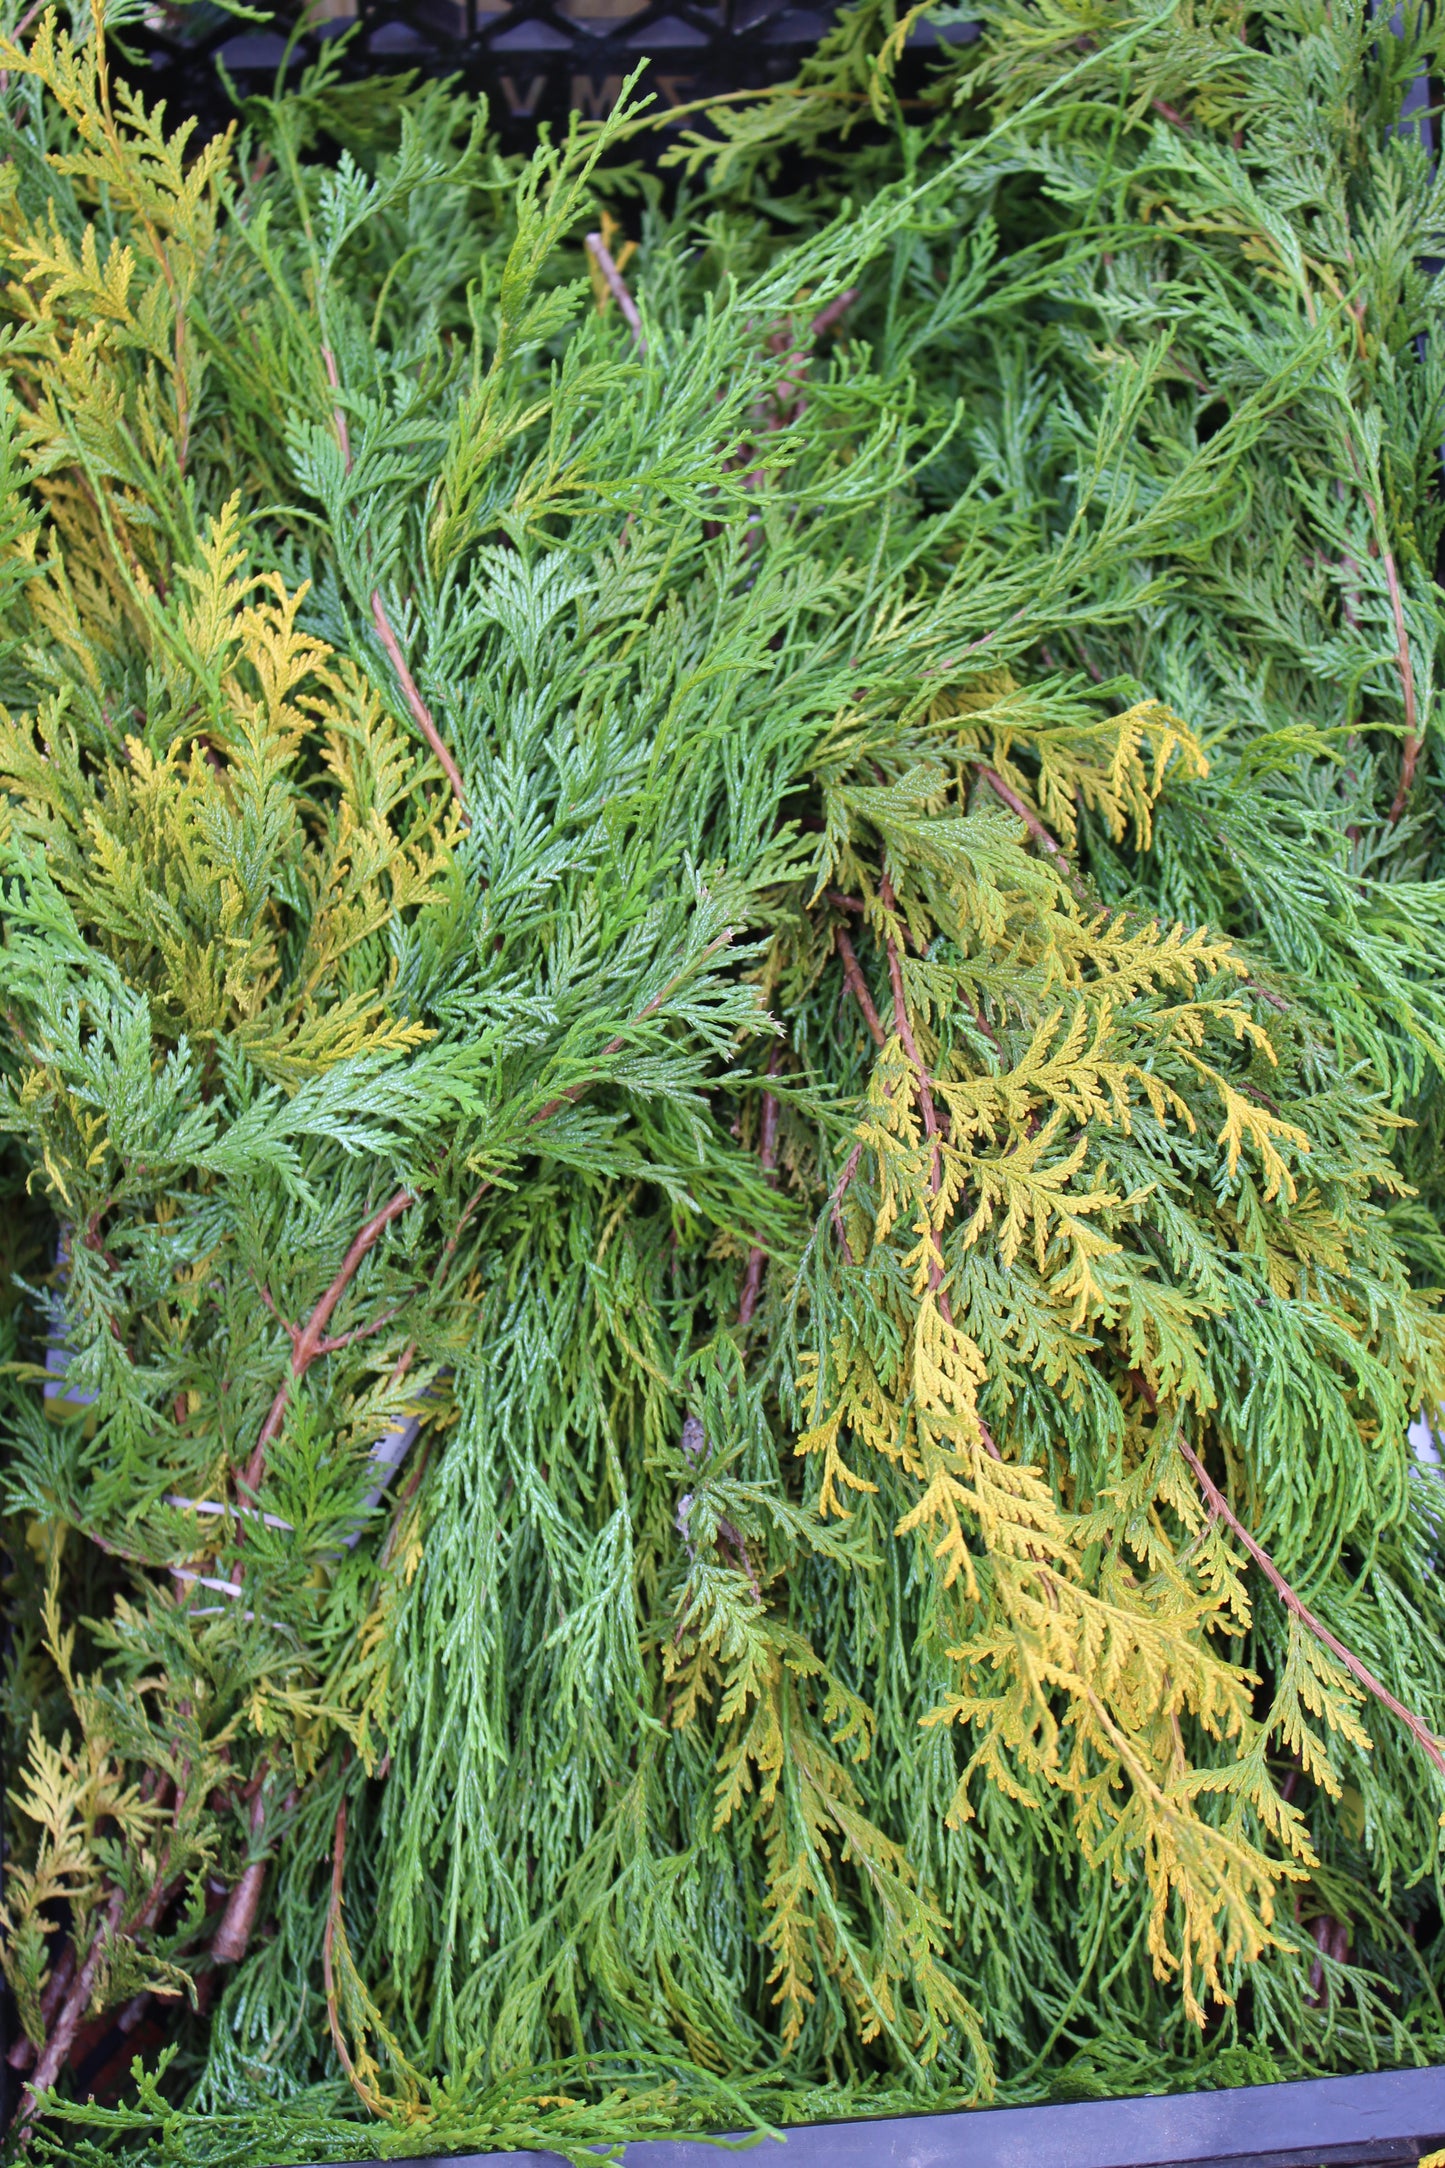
point(1378, 2119)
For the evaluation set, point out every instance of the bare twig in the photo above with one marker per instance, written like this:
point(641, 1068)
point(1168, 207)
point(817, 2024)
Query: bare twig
point(1410, 750)
point(61, 2039)
point(694, 1446)
point(858, 985)
point(840, 1190)
point(903, 1025)
point(787, 402)
point(68, 1993)
point(358, 1332)
point(238, 1920)
point(1025, 812)
point(57, 1987)
point(328, 1945)
point(338, 415)
point(828, 317)
point(1220, 1507)
point(421, 713)
point(601, 255)
point(18, 33)
point(1089, 664)
point(309, 1342)
point(1034, 825)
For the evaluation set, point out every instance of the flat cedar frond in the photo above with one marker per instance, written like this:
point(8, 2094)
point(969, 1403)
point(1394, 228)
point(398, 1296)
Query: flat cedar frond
point(721, 1033)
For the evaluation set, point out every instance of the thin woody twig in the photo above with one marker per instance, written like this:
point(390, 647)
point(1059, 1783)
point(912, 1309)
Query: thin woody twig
point(1410, 750)
point(421, 713)
point(903, 1025)
point(67, 1996)
point(18, 33)
point(827, 317)
point(787, 401)
point(309, 1342)
point(1034, 825)
point(358, 1332)
point(1221, 1509)
point(840, 1190)
point(57, 2047)
point(57, 1987)
point(338, 413)
point(1025, 812)
point(238, 1920)
point(601, 255)
point(694, 1446)
point(858, 986)
point(328, 1945)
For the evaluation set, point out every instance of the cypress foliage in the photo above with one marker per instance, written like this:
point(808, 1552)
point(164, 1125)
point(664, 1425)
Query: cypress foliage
point(730, 1014)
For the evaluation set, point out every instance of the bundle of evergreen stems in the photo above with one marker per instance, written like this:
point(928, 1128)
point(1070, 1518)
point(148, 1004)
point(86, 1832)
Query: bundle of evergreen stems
point(722, 1016)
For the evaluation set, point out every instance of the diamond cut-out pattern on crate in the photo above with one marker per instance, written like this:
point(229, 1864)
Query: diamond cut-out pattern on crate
point(534, 59)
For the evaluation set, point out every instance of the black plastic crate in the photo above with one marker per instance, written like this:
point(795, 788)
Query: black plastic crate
point(533, 59)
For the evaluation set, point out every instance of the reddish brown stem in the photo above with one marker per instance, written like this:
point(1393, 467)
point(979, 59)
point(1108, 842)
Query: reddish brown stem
point(1410, 750)
point(726, 1533)
point(338, 417)
point(835, 1202)
point(404, 1498)
point(310, 1342)
point(238, 1920)
point(456, 1234)
point(183, 404)
point(22, 2051)
point(601, 255)
point(17, 34)
point(858, 985)
point(1220, 1507)
point(828, 317)
point(786, 403)
point(161, 1891)
point(67, 2024)
point(420, 711)
point(1025, 812)
point(903, 1025)
point(1172, 114)
point(358, 1332)
point(328, 1946)
point(237, 1923)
